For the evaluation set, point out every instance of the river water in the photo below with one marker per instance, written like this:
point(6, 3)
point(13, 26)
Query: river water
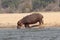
point(30, 34)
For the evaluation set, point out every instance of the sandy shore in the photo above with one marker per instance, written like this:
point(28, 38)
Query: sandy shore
point(9, 20)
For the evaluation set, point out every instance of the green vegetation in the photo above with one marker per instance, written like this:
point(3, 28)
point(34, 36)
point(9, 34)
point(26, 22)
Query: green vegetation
point(10, 3)
point(41, 3)
point(25, 5)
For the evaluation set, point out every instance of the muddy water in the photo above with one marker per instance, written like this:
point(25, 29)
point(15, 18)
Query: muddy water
point(30, 34)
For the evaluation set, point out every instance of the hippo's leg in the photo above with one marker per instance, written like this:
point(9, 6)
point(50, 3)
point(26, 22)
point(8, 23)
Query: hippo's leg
point(26, 25)
point(18, 27)
point(41, 22)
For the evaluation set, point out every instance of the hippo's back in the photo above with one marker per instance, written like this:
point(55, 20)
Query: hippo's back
point(33, 18)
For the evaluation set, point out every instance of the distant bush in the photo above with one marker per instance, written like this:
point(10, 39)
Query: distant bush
point(10, 3)
point(41, 3)
point(25, 6)
point(59, 4)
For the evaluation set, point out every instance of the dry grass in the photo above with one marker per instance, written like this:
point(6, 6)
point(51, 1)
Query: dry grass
point(50, 19)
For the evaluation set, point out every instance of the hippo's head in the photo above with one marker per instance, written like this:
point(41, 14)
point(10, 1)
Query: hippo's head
point(19, 24)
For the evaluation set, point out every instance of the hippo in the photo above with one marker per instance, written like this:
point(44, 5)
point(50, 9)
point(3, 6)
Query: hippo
point(30, 19)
